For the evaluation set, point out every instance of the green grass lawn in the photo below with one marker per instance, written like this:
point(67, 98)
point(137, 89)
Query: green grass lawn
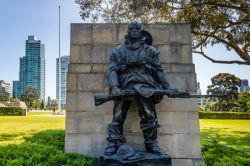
point(46, 136)
point(235, 133)
point(14, 128)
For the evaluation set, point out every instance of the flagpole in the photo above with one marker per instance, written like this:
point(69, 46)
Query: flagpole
point(59, 72)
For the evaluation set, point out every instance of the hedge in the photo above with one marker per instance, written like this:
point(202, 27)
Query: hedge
point(224, 115)
point(11, 111)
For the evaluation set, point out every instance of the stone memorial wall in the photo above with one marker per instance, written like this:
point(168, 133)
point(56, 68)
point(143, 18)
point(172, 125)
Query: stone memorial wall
point(86, 124)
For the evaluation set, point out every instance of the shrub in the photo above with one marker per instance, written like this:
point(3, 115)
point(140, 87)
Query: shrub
point(49, 137)
point(224, 115)
point(11, 111)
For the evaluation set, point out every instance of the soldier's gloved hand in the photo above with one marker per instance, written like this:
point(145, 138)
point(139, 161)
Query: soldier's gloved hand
point(116, 91)
point(173, 92)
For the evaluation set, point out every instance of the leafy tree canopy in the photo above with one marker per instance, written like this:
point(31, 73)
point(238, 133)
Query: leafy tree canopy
point(228, 84)
point(54, 103)
point(42, 105)
point(30, 96)
point(224, 83)
point(4, 97)
point(36, 104)
point(214, 22)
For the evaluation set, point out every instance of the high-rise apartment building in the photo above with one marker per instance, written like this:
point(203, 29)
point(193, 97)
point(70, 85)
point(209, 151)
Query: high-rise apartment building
point(6, 88)
point(18, 86)
point(32, 68)
point(22, 74)
point(64, 71)
point(244, 85)
point(17, 89)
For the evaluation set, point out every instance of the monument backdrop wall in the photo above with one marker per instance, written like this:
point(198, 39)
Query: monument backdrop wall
point(86, 124)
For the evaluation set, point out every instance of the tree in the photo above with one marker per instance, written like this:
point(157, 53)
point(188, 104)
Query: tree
point(30, 96)
point(243, 102)
point(228, 84)
point(36, 104)
point(42, 105)
point(54, 103)
point(224, 83)
point(4, 97)
point(224, 22)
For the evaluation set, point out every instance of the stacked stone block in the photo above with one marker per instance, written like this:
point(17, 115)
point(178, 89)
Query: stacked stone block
point(86, 124)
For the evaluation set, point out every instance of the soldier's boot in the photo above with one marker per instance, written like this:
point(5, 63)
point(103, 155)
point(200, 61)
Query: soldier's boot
point(154, 148)
point(115, 139)
point(151, 145)
point(111, 149)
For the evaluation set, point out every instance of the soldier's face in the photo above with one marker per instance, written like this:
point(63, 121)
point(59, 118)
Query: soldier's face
point(134, 31)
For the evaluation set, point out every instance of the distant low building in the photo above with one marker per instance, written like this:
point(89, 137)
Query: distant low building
point(201, 101)
point(6, 88)
point(2, 105)
point(16, 104)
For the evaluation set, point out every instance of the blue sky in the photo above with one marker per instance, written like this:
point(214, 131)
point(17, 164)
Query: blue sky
point(18, 19)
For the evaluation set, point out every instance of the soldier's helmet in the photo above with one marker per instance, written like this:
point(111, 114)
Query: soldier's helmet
point(148, 37)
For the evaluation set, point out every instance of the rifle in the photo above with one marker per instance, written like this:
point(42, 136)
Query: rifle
point(104, 97)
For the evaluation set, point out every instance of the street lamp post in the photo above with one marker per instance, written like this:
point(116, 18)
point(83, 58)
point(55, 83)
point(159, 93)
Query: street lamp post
point(59, 71)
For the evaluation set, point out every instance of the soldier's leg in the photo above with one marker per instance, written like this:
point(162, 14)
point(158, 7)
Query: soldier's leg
point(148, 124)
point(115, 128)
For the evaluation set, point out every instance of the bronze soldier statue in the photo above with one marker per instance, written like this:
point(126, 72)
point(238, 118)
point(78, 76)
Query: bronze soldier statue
point(132, 64)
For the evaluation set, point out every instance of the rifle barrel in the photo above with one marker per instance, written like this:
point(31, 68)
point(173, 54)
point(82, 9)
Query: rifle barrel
point(205, 96)
point(104, 97)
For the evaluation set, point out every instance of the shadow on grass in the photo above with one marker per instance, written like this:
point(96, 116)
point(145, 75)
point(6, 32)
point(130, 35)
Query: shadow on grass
point(237, 139)
point(217, 155)
point(7, 137)
point(43, 148)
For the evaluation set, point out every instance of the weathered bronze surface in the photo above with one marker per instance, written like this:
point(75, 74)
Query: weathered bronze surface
point(133, 65)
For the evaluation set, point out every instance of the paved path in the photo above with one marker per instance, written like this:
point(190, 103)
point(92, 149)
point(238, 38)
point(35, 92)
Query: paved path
point(47, 115)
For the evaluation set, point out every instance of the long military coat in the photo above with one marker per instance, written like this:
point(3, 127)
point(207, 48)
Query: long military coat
point(129, 67)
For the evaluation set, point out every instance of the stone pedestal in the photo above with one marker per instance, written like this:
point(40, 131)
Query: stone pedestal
point(86, 124)
point(149, 159)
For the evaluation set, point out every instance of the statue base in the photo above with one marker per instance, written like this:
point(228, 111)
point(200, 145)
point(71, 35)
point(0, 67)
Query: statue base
point(148, 159)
